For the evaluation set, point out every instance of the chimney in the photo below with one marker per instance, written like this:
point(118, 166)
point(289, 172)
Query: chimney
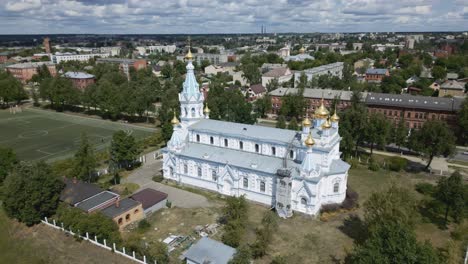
point(117, 203)
point(75, 181)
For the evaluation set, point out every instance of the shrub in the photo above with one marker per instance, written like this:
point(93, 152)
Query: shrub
point(351, 200)
point(425, 188)
point(354, 163)
point(374, 166)
point(328, 208)
point(397, 163)
point(168, 204)
point(158, 178)
point(143, 225)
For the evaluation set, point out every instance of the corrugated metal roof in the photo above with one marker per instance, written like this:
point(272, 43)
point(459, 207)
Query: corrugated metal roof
point(412, 101)
point(207, 250)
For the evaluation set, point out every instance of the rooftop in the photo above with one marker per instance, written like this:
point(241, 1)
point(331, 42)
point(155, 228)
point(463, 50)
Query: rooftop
point(453, 85)
point(76, 191)
point(149, 197)
point(96, 200)
point(79, 75)
point(328, 94)
point(277, 72)
point(30, 65)
point(207, 250)
point(414, 101)
point(257, 88)
point(124, 205)
point(377, 71)
point(323, 68)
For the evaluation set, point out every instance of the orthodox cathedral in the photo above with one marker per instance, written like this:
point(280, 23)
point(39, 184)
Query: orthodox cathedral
point(288, 170)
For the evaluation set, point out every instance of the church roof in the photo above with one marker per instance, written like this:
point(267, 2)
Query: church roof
point(259, 133)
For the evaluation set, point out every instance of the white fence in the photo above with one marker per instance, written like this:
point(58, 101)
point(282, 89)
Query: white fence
point(96, 242)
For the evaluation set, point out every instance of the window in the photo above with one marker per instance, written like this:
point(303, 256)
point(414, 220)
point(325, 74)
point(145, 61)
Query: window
point(213, 175)
point(273, 151)
point(241, 145)
point(120, 221)
point(257, 148)
point(127, 217)
point(283, 183)
point(185, 169)
point(336, 187)
point(291, 154)
point(136, 211)
point(226, 143)
point(303, 201)
point(246, 182)
point(193, 112)
point(211, 140)
point(199, 171)
point(262, 186)
point(198, 138)
point(171, 171)
point(280, 205)
point(408, 114)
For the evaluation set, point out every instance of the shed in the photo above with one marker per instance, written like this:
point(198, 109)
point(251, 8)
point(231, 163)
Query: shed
point(207, 250)
point(150, 199)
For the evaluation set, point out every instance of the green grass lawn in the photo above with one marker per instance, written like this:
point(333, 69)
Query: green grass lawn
point(44, 135)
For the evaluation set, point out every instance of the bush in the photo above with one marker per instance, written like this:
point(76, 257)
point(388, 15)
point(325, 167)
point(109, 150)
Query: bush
point(143, 225)
point(158, 178)
point(354, 163)
point(397, 163)
point(425, 188)
point(374, 166)
point(328, 208)
point(351, 200)
point(168, 204)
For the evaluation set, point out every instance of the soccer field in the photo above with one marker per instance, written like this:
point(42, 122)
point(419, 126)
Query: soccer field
point(43, 135)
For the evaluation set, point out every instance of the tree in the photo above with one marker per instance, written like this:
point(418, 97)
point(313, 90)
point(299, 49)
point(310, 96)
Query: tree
point(235, 217)
point(31, 192)
point(393, 244)
point(263, 106)
point(273, 84)
point(85, 161)
point(433, 139)
point(124, 149)
point(8, 160)
point(281, 122)
point(463, 122)
point(242, 256)
point(252, 73)
point(265, 234)
point(400, 133)
point(377, 130)
point(450, 192)
point(439, 72)
point(11, 90)
point(293, 124)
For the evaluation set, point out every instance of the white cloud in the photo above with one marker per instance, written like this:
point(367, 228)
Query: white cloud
point(22, 5)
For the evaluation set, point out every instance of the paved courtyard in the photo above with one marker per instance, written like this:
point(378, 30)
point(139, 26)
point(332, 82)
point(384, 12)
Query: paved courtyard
point(180, 198)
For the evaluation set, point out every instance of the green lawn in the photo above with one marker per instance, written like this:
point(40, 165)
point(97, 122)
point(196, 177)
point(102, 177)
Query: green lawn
point(44, 135)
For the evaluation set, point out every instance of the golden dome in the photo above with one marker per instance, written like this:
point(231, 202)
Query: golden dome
point(306, 122)
point(335, 117)
point(174, 120)
point(309, 141)
point(189, 55)
point(326, 124)
point(301, 50)
point(321, 111)
point(206, 110)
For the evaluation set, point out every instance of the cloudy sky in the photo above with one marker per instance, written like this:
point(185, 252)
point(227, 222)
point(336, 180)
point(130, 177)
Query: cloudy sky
point(225, 16)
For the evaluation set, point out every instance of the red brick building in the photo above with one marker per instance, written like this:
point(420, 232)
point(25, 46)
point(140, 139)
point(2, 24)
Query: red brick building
point(3, 57)
point(25, 71)
point(125, 64)
point(80, 80)
point(376, 75)
point(415, 110)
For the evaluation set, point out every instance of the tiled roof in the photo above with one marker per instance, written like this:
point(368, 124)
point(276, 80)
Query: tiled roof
point(258, 88)
point(76, 191)
point(277, 72)
point(377, 71)
point(452, 85)
point(124, 206)
point(149, 197)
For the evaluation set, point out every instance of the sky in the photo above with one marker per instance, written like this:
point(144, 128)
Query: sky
point(224, 16)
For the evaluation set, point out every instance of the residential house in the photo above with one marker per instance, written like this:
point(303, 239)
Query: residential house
point(239, 76)
point(214, 69)
point(376, 75)
point(256, 91)
point(80, 80)
point(207, 250)
point(281, 74)
point(452, 88)
point(124, 212)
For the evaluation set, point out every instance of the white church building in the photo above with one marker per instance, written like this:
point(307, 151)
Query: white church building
point(288, 170)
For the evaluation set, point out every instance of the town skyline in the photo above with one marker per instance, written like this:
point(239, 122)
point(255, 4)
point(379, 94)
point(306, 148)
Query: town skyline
point(196, 17)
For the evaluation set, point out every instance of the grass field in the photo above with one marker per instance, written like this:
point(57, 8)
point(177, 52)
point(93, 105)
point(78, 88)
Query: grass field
point(44, 135)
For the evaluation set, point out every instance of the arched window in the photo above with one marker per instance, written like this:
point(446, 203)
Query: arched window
point(211, 140)
point(291, 154)
point(303, 201)
point(262, 186)
point(280, 205)
point(241, 145)
point(273, 151)
point(193, 112)
point(199, 171)
point(336, 187)
point(171, 171)
point(213, 175)
point(257, 148)
point(185, 169)
point(283, 183)
point(226, 143)
point(127, 217)
point(120, 221)
point(198, 138)
point(136, 211)
point(186, 113)
point(245, 182)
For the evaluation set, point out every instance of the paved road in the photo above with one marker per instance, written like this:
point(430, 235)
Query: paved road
point(180, 198)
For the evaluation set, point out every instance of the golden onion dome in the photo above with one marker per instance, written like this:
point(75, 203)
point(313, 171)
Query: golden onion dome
point(335, 117)
point(302, 50)
point(309, 141)
point(189, 55)
point(326, 124)
point(174, 120)
point(321, 111)
point(206, 110)
point(306, 122)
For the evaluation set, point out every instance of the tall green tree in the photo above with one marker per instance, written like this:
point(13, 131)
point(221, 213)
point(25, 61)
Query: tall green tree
point(235, 217)
point(124, 149)
point(11, 90)
point(242, 256)
point(463, 122)
point(450, 191)
point(31, 192)
point(252, 73)
point(400, 133)
point(377, 131)
point(439, 72)
point(8, 161)
point(263, 106)
point(293, 124)
point(281, 122)
point(85, 161)
point(273, 84)
point(433, 139)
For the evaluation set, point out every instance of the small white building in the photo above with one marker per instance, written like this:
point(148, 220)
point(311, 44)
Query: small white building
point(281, 74)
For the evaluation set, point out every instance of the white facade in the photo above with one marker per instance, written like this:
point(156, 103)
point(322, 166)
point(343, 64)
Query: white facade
point(332, 69)
point(271, 166)
point(77, 57)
